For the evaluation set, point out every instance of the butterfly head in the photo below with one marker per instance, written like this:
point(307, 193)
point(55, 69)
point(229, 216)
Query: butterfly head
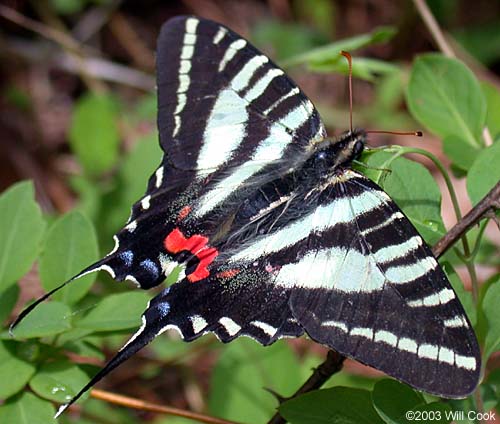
point(340, 151)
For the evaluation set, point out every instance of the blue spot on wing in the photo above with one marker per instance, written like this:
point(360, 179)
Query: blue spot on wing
point(163, 308)
point(151, 267)
point(127, 256)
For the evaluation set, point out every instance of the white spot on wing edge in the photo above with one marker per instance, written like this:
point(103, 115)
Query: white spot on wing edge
point(131, 226)
point(132, 279)
point(198, 322)
point(231, 327)
point(440, 298)
point(467, 362)
point(455, 322)
point(145, 202)
point(191, 24)
point(265, 327)
point(159, 177)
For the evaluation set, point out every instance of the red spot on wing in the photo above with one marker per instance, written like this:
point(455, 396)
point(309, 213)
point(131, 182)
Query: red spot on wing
point(176, 242)
point(183, 213)
point(228, 273)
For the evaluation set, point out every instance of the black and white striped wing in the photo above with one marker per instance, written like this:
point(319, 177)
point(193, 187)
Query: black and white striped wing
point(228, 120)
point(353, 273)
point(374, 291)
point(222, 103)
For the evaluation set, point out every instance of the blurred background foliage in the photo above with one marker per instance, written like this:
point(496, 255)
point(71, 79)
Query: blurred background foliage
point(77, 118)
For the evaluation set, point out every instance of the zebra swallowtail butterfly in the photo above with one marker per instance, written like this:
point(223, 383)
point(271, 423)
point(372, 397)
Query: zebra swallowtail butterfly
point(277, 236)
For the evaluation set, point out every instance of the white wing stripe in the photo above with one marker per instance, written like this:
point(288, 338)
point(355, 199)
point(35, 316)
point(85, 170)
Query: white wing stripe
point(231, 52)
point(407, 273)
point(428, 351)
point(243, 77)
point(270, 149)
point(390, 253)
point(262, 84)
point(440, 298)
point(184, 67)
point(323, 218)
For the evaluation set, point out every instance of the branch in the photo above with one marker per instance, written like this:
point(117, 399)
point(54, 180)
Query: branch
point(130, 402)
point(488, 203)
point(321, 374)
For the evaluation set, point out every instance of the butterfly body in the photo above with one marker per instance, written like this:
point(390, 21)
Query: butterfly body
point(276, 234)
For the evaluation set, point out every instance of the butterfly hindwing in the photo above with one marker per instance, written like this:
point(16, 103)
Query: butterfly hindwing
point(386, 302)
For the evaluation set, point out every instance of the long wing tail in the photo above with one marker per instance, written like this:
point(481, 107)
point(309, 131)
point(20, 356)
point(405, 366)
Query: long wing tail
point(97, 266)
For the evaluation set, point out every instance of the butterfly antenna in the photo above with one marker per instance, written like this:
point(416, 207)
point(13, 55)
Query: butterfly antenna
point(415, 133)
point(349, 61)
point(92, 268)
point(348, 56)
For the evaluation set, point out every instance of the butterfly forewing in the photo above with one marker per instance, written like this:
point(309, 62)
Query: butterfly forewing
point(229, 120)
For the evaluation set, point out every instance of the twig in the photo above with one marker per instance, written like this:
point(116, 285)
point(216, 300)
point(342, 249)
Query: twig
point(321, 374)
point(443, 45)
point(94, 66)
point(490, 202)
point(71, 46)
point(152, 407)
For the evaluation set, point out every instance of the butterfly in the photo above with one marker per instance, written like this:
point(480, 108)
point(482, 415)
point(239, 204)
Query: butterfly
point(275, 234)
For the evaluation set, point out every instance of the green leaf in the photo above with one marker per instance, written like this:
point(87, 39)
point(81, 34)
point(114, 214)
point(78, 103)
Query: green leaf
point(393, 399)
point(67, 7)
point(492, 315)
point(414, 190)
point(444, 95)
point(460, 152)
point(8, 299)
point(21, 229)
point(244, 370)
point(331, 52)
point(286, 39)
point(93, 134)
point(342, 405)
point(45, 320)
point(435, 412)
point(133, 176)
point(70, 246)
point(27, 409)
point(58, 381)
point(116, 312)
point(14, 371)
point(89, 195)
point(484, 173)
point(362, 67)
point(492, 96)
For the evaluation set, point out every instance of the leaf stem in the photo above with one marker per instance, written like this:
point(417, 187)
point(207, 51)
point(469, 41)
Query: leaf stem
point(152, 407)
